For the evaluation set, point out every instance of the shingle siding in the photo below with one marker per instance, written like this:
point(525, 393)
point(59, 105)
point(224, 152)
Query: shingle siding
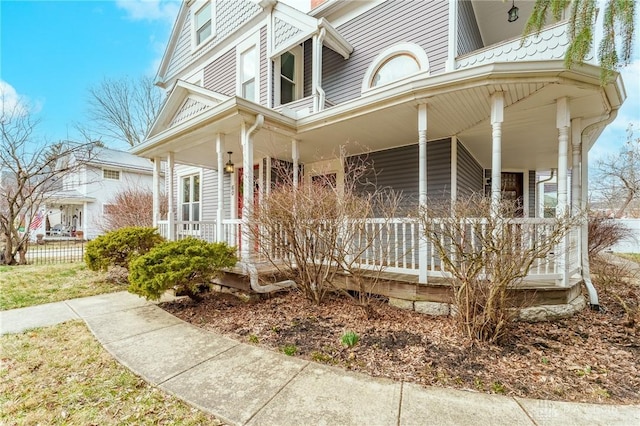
point(469, 38)
point(393, 22)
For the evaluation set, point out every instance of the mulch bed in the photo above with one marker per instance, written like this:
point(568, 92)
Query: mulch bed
point(591, 357)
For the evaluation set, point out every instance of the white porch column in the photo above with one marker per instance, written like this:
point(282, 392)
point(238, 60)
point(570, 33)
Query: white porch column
point(497, 117)
point(220, 147)
point(295, 155)
point(171, 219)
point(563, 121)
point(422, 188)
point(454, 169)
point(576, 165)
point(246, 252)
point(452, 36)
point(156, 191)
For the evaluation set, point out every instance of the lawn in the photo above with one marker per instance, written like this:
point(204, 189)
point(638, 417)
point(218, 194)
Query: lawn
point(61, 375)
point(634, 257)
point(29, 285)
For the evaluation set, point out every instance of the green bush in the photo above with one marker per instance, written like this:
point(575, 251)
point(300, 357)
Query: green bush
point(186, 265)
point(118, 248)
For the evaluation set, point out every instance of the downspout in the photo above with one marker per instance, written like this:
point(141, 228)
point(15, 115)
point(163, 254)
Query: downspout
point(318, 94)
point(584, 240)
point(249, 267)
point(540, 184)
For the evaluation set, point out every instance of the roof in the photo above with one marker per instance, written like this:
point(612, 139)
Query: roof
point(67, 196)
point(104, 156)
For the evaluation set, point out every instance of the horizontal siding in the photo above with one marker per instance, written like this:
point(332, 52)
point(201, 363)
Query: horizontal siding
point(469, 177)
point(398, 169)
point(308, 63)
point(469, 38)
point(532, 193)
point(421, 22)
point(220, 75)
point(263, 66)
point(209, 194)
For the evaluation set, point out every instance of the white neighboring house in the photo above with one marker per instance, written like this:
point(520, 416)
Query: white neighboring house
point(77, 208)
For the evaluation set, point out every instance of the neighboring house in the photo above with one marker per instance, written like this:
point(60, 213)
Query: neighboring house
point(443, 97)
point(82, 198)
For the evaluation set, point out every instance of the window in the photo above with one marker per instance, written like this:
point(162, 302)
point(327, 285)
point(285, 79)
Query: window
point(111, 174)
point(202, 23)
point(394, 69)
point(248, 69)
point(190, 198)
point(289, 76)
point(395, 63)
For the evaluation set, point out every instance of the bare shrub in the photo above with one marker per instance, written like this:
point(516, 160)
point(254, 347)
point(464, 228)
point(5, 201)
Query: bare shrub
point(604, 233)
point(618, 279)
point(131, 207)
point(487, 255)
point(315, 231)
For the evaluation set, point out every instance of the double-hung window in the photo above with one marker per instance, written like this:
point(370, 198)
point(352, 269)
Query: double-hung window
point(289, 76)
point(190, 199)
point(202, 23)
point(248, 68)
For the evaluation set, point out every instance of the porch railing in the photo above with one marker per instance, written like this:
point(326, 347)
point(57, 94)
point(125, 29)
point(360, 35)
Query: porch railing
point(394, 245)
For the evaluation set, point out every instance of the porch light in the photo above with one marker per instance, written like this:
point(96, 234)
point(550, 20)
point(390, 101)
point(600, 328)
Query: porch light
point(228, 168)
point(513, 12)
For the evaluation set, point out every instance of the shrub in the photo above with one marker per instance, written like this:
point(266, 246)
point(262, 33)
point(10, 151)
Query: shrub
point(117, 248)
point(604, 233)
point(186, 265)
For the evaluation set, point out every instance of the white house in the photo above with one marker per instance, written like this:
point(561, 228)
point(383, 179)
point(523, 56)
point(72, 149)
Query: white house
point(84, 195)
point(444, 96)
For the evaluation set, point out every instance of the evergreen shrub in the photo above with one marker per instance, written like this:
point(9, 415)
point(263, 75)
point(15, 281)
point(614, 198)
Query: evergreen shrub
point(119, 247)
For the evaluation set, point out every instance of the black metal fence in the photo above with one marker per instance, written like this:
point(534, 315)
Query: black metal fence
point(56, 251)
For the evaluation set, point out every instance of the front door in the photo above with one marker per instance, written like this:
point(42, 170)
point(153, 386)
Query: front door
point(240, 185)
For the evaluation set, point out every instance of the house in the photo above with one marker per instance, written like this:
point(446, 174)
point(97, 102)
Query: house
point(82, 197)
point(444, 96)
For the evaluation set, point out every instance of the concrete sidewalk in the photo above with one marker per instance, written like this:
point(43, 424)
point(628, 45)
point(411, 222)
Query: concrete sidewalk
point(243, 384)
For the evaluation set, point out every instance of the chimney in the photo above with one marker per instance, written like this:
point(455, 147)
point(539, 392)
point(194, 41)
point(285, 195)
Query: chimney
point(316, 3)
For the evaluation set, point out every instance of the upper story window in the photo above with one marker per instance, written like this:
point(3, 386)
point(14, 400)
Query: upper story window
point(395, 63)
point(202, 23)
point(111, 174)
point(248, 69)
point(394, 69)
point(289, 76)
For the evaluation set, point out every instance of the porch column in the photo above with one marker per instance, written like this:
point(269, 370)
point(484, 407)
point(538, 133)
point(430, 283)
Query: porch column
point(220, 147)
point(497, 117)
point(563, 121)
point(156, 191)
point(422, 189)
point(295, 155)
point(576, 165)
point(247, 239)
point(171, 219)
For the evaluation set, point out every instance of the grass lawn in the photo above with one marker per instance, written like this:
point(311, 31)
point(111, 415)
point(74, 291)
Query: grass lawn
point(30, 285)
point(635, 257)
point(61, 375)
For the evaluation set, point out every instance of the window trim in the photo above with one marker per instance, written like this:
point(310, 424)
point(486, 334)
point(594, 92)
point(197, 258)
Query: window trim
point(181, 176)
point(104, 170)
point(241, 48)
point(197, 7)
point(409, 49)
point(298, 70)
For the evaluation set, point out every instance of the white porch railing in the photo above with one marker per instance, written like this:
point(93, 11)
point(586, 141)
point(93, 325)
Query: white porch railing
point(550, 44)
point(394, 245)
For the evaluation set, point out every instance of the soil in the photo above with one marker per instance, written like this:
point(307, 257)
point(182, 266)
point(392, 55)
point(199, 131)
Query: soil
point(590, 357)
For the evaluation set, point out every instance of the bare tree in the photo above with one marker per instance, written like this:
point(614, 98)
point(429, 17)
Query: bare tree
point(122, 109)
point(131, 206)
point(617, 177)
point(29, 171)
point(486, 255)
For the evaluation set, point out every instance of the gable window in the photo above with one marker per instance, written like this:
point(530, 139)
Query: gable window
point(288, 76)
point(394, 69)
point(202, 23)
point(248, 69)
point(395, 63)
point(111, 174)
point(190, 198)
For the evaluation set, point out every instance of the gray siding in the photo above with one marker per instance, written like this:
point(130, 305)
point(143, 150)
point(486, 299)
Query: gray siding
point(230, 14)
point(469, 38)
point(308, 53)
point(220, 75)
point(532, 193)
point(263, 66)
point(469, 177)
point(393, 22)
point(398, 169)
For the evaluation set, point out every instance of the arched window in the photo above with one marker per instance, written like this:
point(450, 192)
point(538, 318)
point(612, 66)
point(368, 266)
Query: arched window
point(395, 63)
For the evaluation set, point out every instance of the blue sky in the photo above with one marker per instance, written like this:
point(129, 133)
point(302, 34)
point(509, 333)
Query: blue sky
point(53, 51)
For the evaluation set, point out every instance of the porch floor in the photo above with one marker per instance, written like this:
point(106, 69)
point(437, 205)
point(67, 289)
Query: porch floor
point(406, 286)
